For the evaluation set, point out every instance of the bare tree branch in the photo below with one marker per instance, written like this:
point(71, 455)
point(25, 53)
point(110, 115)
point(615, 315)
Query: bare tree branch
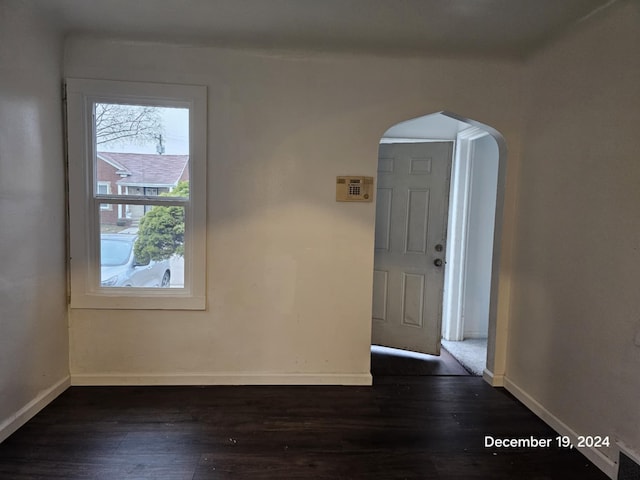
point(137, 124)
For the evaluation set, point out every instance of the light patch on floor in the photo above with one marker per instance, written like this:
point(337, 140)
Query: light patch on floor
point(401, 353)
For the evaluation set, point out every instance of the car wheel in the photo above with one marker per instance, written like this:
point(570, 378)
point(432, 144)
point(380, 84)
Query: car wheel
point(166, 279)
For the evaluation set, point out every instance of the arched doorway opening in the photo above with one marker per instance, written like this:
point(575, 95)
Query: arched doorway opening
point(437, 250)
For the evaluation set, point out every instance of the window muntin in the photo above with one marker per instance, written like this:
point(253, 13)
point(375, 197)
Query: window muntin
point(124, 183)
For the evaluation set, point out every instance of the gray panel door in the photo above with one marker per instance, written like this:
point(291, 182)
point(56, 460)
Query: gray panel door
point(410, 244)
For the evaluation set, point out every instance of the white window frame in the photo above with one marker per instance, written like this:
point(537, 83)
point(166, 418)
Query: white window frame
point(84, 203)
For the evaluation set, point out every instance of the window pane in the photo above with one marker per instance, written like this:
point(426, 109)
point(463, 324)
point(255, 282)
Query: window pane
point(141, 246)
point(141, 149)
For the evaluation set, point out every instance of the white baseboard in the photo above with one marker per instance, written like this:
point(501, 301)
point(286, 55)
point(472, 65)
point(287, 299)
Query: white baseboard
point(603, 462)
point(26, 413)
point(122, 379)
point(475, 334)
point(493, 379)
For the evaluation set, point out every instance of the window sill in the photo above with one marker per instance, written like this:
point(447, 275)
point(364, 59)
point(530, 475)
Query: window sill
point(138, 300)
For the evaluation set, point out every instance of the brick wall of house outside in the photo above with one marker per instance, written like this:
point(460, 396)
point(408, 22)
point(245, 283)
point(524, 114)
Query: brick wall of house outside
point(107, 173)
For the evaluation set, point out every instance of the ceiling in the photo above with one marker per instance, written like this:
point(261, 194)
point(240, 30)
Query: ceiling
point(497, 28)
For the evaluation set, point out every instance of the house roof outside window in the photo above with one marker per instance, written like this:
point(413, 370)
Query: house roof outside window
point(149, 170)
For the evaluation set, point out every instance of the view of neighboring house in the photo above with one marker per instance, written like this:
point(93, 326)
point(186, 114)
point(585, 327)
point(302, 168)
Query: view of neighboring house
point(136, 174)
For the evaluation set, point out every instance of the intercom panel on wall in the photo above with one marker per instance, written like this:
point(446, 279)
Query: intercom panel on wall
point(354, 189)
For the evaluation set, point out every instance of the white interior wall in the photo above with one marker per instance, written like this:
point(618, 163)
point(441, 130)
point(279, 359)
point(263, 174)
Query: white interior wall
point(289, 269)
point(34, 356)
point(574, 353)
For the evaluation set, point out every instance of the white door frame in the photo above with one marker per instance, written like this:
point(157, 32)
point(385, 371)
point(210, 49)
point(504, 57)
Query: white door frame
point(497, 334)
point(456, 271)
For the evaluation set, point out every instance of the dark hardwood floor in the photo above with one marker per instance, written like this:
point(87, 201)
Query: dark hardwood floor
point(404, 427)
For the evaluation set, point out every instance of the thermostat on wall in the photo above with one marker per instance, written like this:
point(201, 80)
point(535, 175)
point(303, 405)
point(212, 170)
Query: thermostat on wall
point(354, 189)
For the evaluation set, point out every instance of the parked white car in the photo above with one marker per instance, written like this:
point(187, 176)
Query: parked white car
point(120, 268)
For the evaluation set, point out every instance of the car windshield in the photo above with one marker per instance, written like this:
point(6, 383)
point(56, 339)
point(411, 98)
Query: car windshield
point(114, 252)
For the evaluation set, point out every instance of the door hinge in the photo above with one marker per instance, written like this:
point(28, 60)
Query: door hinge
point(64, 92)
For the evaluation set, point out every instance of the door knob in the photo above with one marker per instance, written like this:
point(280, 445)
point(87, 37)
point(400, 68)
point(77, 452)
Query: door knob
point(437, 262)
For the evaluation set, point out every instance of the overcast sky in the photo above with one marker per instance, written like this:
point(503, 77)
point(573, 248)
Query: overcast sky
point(175, 137)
